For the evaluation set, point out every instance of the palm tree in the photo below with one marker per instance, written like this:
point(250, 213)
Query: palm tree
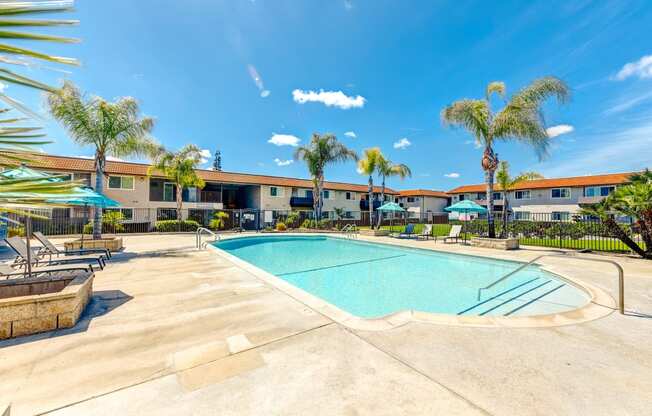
point(180, 167)
point(387, 169)
point(323, 150)
point(508, 184)
point(520, 119)
point(635, 201)
point(368, 165)
point(112, 128)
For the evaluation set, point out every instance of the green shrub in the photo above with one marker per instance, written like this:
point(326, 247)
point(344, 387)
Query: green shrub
point(111, 223)
point(219, 220)
point(167, 226)
point(280, 226)
point(308, 223)
point(292, 219)
point(16, 231)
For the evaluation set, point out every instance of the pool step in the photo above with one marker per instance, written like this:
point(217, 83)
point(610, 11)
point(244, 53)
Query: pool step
point(515, 299)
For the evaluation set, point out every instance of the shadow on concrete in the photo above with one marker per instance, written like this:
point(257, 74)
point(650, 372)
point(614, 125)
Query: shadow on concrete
point(125, 256)
point(101, 303)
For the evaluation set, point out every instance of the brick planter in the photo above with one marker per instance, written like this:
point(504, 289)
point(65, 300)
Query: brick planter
point(111, 243)
point(375, 233)
point(30, 306)
point(497, 243)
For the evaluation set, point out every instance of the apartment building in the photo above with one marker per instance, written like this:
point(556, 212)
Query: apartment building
point(558, 198)
point(423, 203)
point(259, 199)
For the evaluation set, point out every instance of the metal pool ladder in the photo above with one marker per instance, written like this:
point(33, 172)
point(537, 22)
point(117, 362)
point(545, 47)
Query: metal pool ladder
point(621, 276)
point(350, 231)
point(200, 232)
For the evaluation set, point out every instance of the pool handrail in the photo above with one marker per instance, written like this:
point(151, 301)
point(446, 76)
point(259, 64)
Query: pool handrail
point(621, 275)
point(204, 230)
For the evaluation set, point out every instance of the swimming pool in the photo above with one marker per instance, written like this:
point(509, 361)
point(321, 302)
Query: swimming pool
point(372, 280)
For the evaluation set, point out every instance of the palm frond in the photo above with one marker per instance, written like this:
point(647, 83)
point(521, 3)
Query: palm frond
point(495, 87)
point(371, 159)
point(473, 115)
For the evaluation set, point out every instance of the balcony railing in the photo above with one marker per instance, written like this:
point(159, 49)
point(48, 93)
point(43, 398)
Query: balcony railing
point(301, 201)
point(210, 196)
point(590, 199)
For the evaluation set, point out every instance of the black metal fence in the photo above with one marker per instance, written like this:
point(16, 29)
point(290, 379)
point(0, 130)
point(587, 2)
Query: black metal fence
point(558, 230)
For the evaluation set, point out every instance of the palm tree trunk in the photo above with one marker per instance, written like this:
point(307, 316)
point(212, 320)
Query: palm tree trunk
point(371, 202)
point(646, 230)
point(618, 232)
point(316, 197)
point(100, 162)
point(179, 203)
point(503, 231)
point(382, 201)
point(321, 199)
point(489, 178)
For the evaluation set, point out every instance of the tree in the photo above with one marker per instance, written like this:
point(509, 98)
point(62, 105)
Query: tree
point(112, 128)
point(368, 165)
point(180, 167)
point(387, 169)
point(322, 151)
point(219, 219)
point(508, 184)
point(339, 214)
point(521, 119)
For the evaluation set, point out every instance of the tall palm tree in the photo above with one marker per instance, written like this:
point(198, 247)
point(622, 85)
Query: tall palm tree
point(387, 169)
point(521, 119)
point(180, 167)
point(322, 151)
point(508, 184)
point(112, 128)
point(635, 201)
point(368, 165)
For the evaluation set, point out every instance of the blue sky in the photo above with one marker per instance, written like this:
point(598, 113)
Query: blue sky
point(233, 74)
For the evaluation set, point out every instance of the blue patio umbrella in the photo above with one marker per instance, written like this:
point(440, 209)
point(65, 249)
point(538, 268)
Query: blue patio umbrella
point(466, 207)
point(390, 207)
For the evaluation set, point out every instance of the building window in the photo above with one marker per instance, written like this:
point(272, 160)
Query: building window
point(350, 196)
point(85, 178)
point(598, 191)
point(560, 216)
point(498, 195)
point(557, 193)
point(522, 195)
point(410, 199)
point(166, 214)
point(481, 196)
point(522, 215)
point(327, 194)
point(121, 182)
point(273, 191)
point(308, 193)
point(168, 192)
point(461, 197)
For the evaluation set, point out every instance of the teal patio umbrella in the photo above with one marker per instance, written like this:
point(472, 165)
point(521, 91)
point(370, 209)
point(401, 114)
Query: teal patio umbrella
point(390, 207)
point(466, 207)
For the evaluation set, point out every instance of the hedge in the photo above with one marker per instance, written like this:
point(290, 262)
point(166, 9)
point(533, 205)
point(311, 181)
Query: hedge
point(167, 226)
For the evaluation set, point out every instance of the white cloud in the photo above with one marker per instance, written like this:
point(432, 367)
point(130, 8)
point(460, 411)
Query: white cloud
point(555, 131)
point(329, 98)
point(452, 175)
point(348, 4)
point(280, 162)
point(108, 158)
point(474, 143)
point(351, 134)
point(205, 156)
point(402, 143)
point(284, 140)
point(641, 69)
point(628, 103)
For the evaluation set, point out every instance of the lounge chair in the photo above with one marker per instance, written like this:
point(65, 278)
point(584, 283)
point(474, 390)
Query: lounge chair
point(50, 248)
point(8, 271)
point(18, 245)
point(407, 233)
point(454, 234)
point(426, 233)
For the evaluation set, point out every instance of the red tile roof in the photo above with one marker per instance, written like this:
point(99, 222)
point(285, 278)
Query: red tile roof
point(575, 181)
point(423, 192)
point(78, 164)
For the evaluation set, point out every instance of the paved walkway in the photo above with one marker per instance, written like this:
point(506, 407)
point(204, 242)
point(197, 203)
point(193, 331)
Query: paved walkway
point(172, 330)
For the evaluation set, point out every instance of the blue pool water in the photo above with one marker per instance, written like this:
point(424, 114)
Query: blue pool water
point(372, 280)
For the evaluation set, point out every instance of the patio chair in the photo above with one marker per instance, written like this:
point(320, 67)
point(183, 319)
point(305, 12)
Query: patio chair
point(426, 233)
point(20, 248)
point(50, 248)
point(8, 271)
point(454, 234)
point(407, 233)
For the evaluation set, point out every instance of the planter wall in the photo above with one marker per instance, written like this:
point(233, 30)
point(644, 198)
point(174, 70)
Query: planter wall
point(30, 306)
point(111, 243)
point(497, 243)
point(375, 233)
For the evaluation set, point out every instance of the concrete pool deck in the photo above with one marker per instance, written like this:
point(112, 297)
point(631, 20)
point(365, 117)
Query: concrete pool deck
point(173, 330)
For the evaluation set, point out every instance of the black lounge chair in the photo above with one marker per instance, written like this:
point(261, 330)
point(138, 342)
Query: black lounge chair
point(50, 248)
point(20, 248)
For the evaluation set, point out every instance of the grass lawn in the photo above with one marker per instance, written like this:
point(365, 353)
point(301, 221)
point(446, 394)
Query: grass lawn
point(595, 245)
point(439, 230)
